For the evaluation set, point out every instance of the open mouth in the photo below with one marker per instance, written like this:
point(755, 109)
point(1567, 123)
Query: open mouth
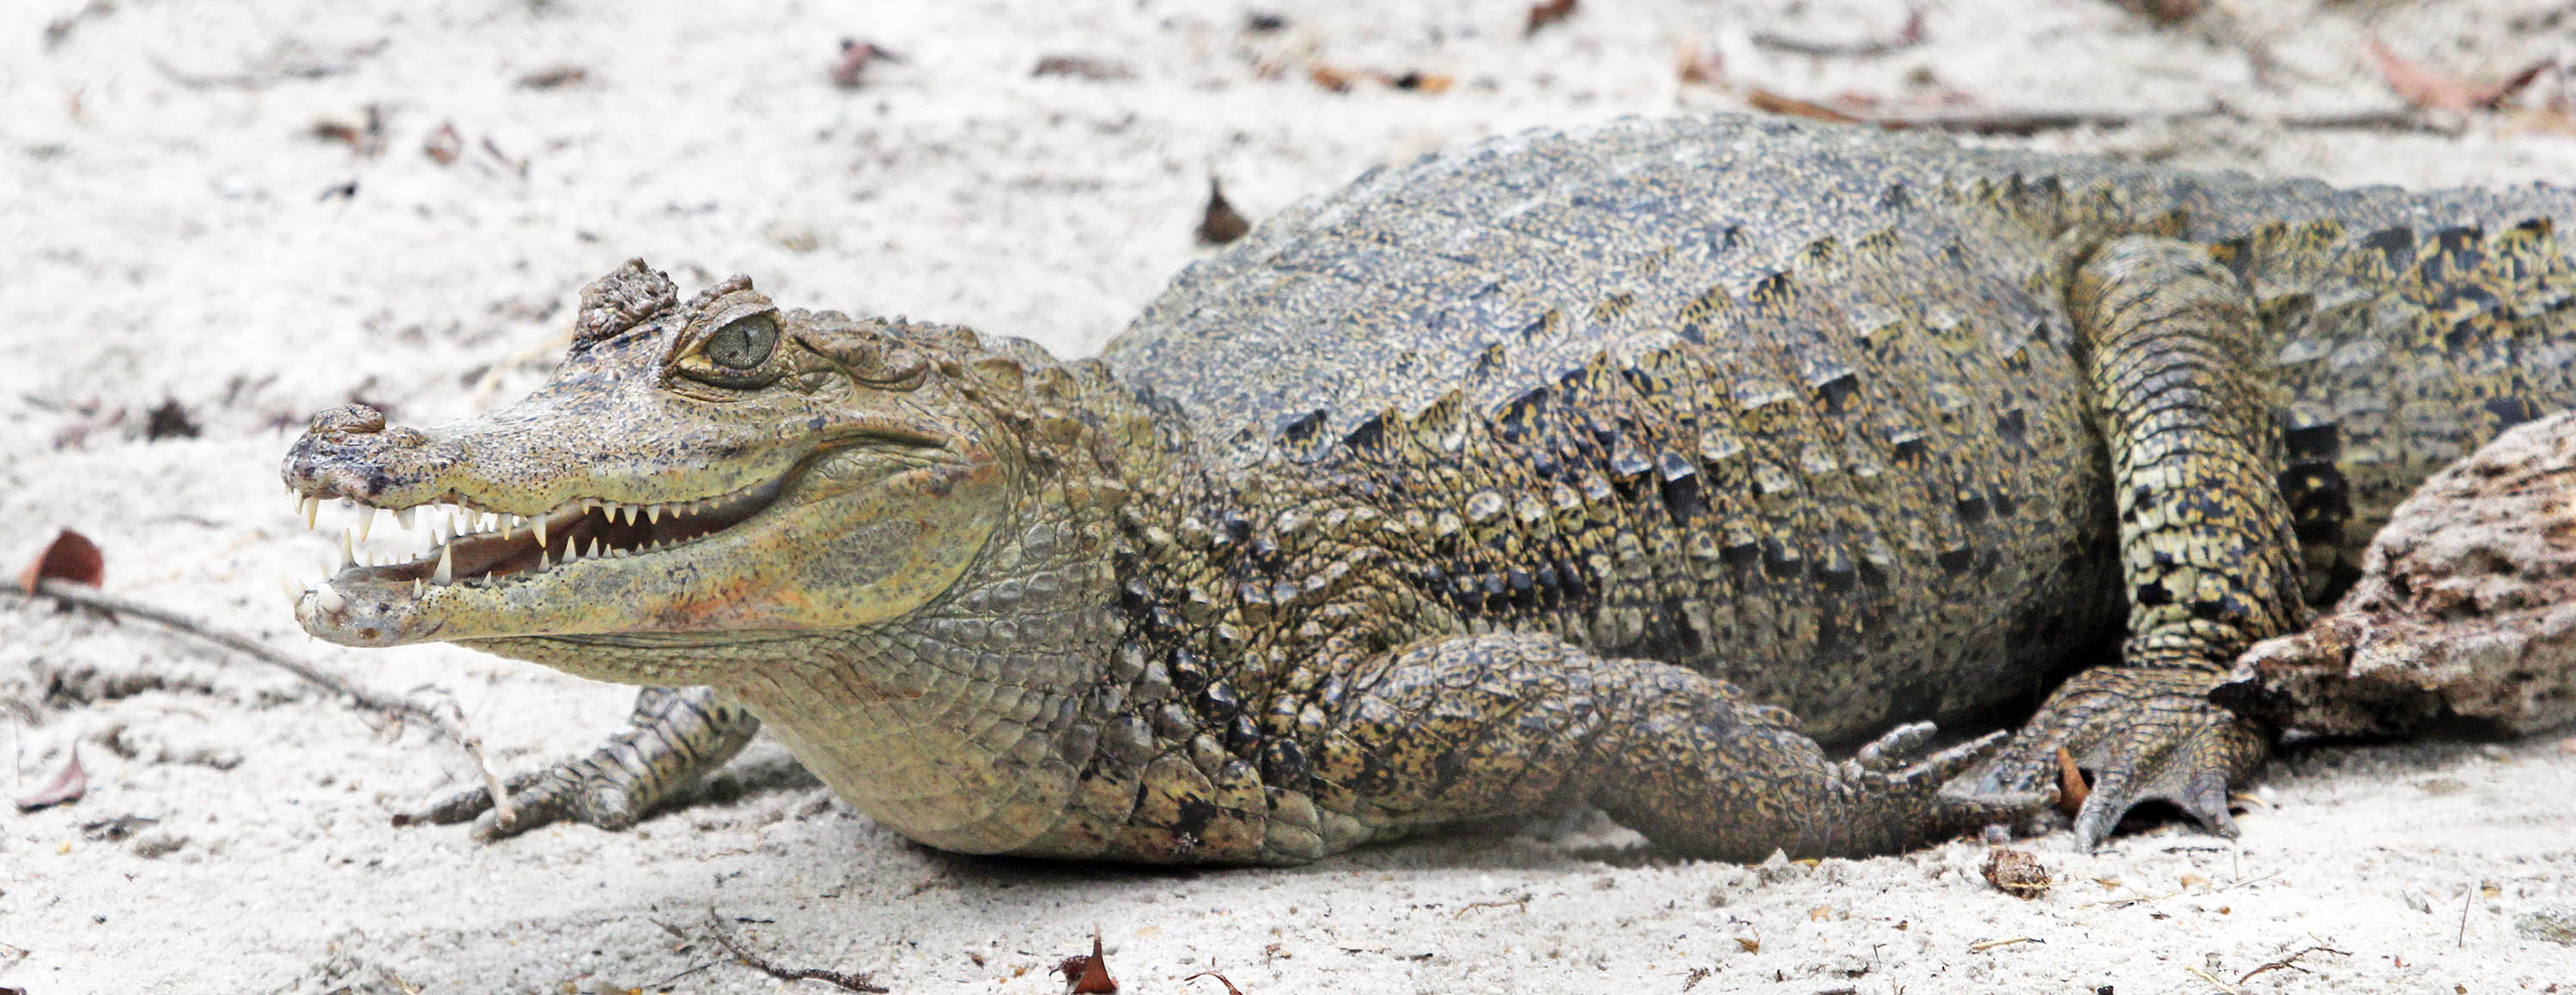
point(473, 546)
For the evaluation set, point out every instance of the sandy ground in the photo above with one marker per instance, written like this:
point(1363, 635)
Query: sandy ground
point(172, 229)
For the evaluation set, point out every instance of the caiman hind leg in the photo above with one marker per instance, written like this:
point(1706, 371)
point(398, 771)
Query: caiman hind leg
point(673, 737)
point(2208, 556)
point(1480, 727)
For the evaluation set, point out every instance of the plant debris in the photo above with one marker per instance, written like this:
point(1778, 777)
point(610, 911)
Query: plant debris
point(115, 830)
point(2291, 962)
point(71, 557)
point(1088, 67)
point(444, 145)
point(2016, 873)
point(1340, 80)
point(2072, 789)
point(843, 981)
point(1905, 37)
point(552, 77)
point(1230, 989)
point(1261, 22)
point(169, 420)
point(1220, 223)
point(364, 137)
point(849, 71)
point(1089, 973)
point(67, 786)
point(1546, 12)
point(2427, 90)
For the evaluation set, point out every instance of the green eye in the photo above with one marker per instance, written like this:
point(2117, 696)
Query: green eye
point(743, 344)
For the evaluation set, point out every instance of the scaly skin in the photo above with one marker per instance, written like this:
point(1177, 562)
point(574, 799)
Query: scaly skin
point(1560, 469)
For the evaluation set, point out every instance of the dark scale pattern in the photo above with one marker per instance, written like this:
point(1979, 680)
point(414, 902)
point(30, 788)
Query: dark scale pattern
point(1625, 466)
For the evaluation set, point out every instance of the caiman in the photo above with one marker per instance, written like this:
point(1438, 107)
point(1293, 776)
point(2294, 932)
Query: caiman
point(1629, 466)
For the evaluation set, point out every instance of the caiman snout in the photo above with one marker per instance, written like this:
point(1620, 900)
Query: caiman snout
point(348, 452)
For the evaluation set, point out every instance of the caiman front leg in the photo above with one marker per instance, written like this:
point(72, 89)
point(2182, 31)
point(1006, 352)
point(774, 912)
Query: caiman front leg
point(1476, 727)
point(673, 737)
point(2207, 551)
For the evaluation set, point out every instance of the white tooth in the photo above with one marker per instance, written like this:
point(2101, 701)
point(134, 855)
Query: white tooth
point(328, 599)
point(294, 591)
point(544, 562)
point(366, 521)
point(348, 550)
point(594, 547)
point(403, 517)
point(446, 566)
point(540, 523)
point(312, 509)
point(418, 587)
point(572, 550)
point(653, 514)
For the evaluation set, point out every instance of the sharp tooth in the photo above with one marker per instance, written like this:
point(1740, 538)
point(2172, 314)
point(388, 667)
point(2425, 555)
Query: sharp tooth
point(572, 550)
point(366, 521)
point(540, 523)
point(328, 599)
point(419, 587)
point(446, 566)
point(594, 547)
point(403, 517)
point(544, 562)
point(294, 592)
point(312, 509)
point(348, 550)
point(653, 514)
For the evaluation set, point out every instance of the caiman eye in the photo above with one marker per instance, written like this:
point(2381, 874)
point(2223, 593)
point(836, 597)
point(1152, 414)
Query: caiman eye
point(744, 344)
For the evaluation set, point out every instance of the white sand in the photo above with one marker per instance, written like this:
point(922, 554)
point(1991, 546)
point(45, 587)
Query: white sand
point(161, 239)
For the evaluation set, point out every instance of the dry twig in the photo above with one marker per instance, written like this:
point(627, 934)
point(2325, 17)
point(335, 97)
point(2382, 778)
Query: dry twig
point(846, 982)
point(451, 722)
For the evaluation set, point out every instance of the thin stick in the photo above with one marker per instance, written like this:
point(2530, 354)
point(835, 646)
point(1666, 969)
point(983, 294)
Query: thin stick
point(2286, 962)
point(451, 722)
point(2462, 941)
point(847, 982)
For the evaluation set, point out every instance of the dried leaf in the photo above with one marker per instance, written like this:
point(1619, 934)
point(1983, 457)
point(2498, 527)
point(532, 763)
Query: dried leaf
point(1220, 223)
point(169, 420)
point(444, 145)
point(1230, 989)
point(1336, 80)
point(2071, 787)
point(850, 70)
point(1423, 82)
point(1546, 12)
point(1085, 66)
point(1089, 974)
point(68, 785)
point(1777, 103)
point(551, 77)
point(2432, 91)
point(71, 557)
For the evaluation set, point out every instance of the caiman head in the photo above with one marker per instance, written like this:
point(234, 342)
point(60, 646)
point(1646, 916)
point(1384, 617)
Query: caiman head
point(692, 473)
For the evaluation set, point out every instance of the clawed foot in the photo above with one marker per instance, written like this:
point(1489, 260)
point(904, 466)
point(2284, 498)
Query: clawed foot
point(537, 798)
point(2147, 735)
point(1894, 777)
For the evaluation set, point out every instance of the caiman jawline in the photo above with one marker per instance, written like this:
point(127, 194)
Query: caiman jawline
point(489, 547)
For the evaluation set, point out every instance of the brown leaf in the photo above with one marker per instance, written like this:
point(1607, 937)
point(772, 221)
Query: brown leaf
point(851, 68)
point(554, 76)
point(1085, 66)
point(1422, 82)
point(1336, 80)
point(70, 557)
point(169, 420)
point(1089, 974)
point(1230, 989)
point(68, 785)
point(1220, 223)
point(2428, 90)
point(1546, 12)
point(2071, 787)
point(444, 145)
point(1778, 103)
